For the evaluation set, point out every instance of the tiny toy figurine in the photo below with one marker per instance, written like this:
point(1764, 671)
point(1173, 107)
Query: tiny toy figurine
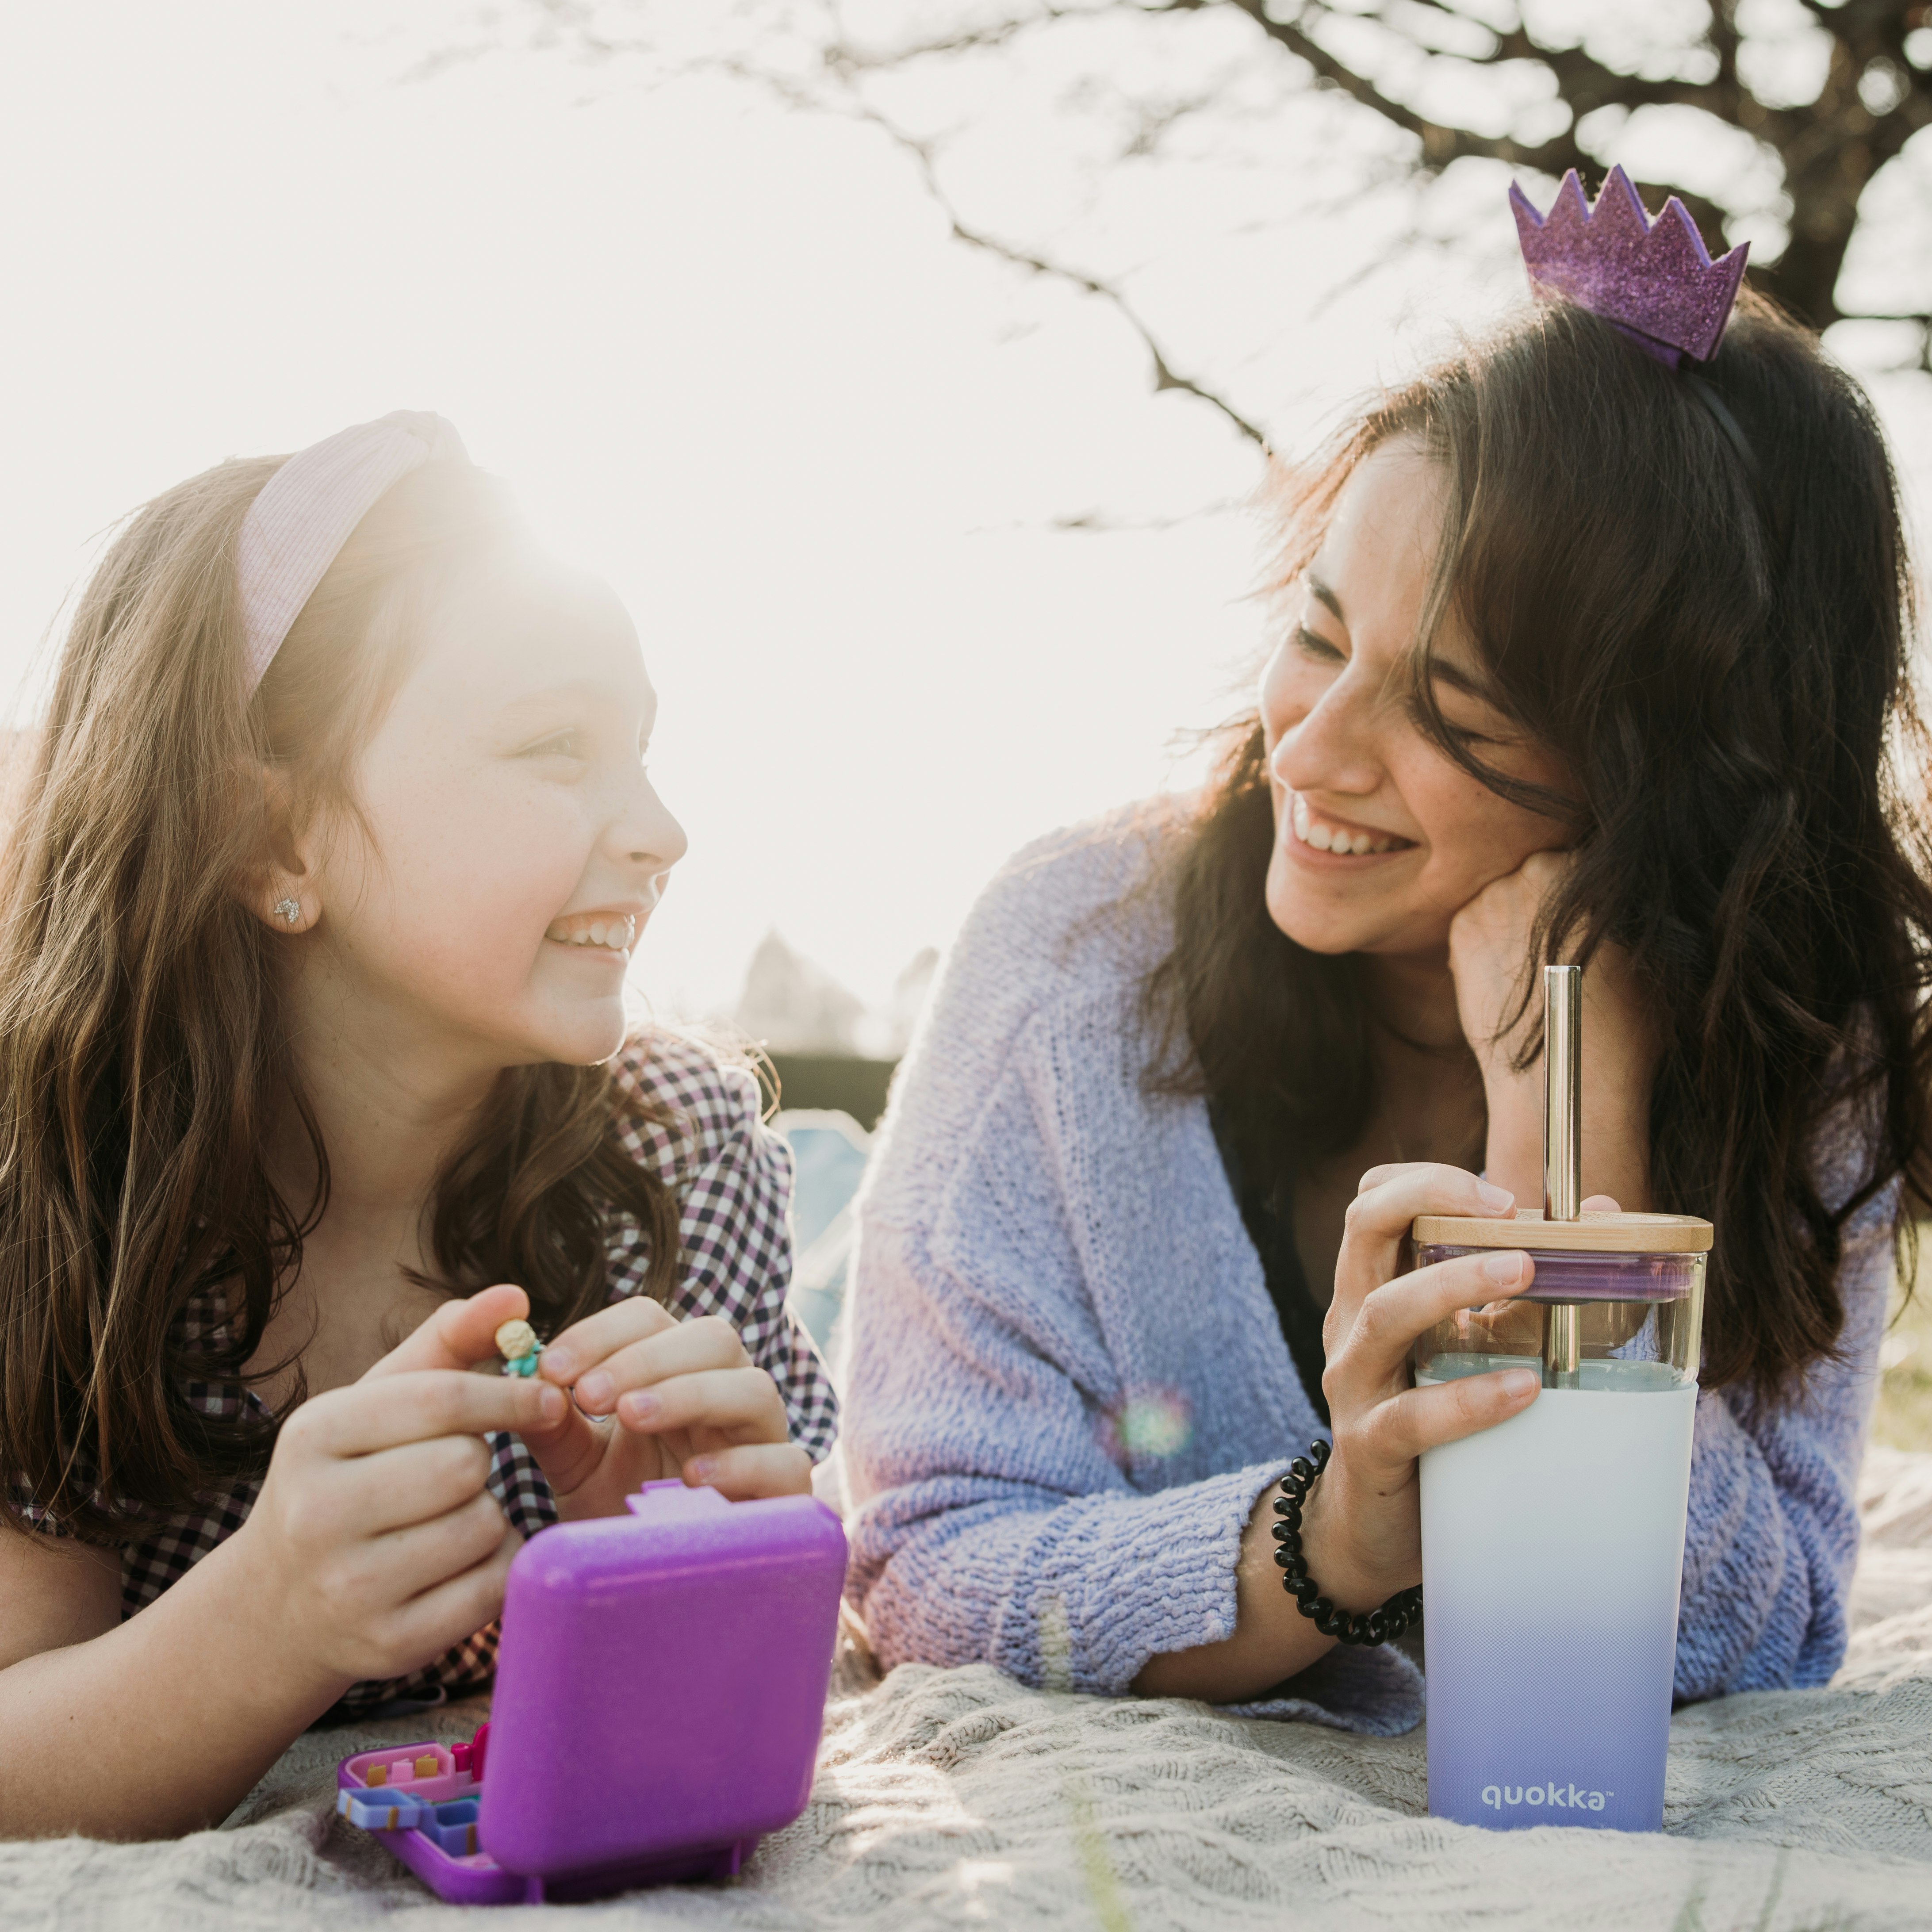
point(516, 1343)
point(660, 1690)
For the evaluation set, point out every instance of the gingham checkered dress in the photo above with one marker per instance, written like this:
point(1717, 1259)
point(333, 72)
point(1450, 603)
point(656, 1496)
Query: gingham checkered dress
point(732, 1176)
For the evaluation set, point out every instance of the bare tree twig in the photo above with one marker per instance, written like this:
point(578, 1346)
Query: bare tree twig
point(923, 154)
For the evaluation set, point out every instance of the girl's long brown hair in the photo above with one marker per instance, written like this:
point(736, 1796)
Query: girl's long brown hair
point(142, 1056)
point(1716, 643)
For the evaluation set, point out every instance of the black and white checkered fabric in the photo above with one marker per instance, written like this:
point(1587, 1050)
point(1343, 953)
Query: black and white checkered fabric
point(732, 1175)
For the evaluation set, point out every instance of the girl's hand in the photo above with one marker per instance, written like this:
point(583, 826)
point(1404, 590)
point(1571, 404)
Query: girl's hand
point(1362, 1527)
point(1490, 956)
point(374, 1543)
point(656, 1399)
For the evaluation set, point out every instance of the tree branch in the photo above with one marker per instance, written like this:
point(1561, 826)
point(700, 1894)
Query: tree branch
point(924, 156)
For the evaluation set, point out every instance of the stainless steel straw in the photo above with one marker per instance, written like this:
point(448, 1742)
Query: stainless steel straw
point(1562, 1152)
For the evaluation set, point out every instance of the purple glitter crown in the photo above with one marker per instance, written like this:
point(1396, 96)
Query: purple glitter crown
point(1655, 281)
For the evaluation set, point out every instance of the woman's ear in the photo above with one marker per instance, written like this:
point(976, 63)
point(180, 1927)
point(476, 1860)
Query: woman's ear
point(284, 891)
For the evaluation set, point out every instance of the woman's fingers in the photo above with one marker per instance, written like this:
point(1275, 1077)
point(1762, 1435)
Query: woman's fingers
point(754, 1469)
point(1372, 1354)
point(686, 1348)
point(1378, 1221)
point(741, 1403)
point(1394, 1432)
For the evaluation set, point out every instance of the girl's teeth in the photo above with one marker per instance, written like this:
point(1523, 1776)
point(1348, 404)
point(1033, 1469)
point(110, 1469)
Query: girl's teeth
point(616, 934)
point(1320, 838)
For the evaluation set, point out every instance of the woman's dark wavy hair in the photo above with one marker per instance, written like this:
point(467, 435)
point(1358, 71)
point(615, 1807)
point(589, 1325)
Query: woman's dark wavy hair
point(143, 1054)
point(1717, 645)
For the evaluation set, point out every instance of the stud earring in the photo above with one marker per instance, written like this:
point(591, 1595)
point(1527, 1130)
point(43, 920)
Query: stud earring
point(288, 909)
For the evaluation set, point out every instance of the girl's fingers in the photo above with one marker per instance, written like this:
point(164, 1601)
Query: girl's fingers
point(394, 1489)
point(1373, 1353)
point(569, 1453)
point(1378, 1221)
point(684, 1348)
point(755, 1469)
point(413, 1407)
point(1394, 1432)
point(584, 1345)
point(459, 1335)
point(743, 1402)
point(453, 1607)
point(406, 1562)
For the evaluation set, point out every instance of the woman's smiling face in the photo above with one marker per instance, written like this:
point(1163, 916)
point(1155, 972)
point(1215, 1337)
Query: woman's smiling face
point(1380, 839)
point(515, 847)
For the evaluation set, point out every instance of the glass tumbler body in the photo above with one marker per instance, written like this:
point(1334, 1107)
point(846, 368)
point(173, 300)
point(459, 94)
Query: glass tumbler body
point(1553, 1545)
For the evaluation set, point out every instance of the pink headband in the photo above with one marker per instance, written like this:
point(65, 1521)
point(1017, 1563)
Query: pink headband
point(307, 510)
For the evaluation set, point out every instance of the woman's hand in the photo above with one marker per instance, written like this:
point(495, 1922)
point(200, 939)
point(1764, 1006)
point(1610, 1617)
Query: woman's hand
point(1362, 1526)
point(1490, 955)
point(374, 1545)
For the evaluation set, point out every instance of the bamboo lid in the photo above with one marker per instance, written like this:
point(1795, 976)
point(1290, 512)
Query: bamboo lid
point(1594, 1234)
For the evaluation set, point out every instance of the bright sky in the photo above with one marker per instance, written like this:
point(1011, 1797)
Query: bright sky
point(729, 358)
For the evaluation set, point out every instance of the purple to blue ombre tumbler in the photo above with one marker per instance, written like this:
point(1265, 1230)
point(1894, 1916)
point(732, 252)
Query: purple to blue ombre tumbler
point(1553, 1545)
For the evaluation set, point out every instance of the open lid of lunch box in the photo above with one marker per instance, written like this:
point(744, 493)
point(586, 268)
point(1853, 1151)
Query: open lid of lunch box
point(661, 1684)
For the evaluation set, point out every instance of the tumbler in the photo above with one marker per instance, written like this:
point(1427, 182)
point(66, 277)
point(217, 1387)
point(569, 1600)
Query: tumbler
point(1553, 1545)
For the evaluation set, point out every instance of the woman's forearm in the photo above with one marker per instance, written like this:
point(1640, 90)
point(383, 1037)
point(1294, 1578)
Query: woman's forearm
point(161, 1725)
point(1272, 1641)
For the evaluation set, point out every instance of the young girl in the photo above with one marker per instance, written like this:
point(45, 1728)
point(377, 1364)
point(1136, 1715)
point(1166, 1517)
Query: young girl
point(1584, 656)
point(315, 917)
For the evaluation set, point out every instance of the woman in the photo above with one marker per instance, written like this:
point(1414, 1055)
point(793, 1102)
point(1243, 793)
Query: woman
point(1584, 657)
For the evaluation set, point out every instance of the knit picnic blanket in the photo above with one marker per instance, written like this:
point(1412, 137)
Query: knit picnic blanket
point(948, 1797)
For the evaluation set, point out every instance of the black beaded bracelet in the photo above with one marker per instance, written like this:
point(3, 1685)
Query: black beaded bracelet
point(1377, 1626)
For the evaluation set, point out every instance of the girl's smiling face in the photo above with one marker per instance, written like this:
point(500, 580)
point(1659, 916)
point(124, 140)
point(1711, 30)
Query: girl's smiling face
point(1380, 838)
point(510, 847)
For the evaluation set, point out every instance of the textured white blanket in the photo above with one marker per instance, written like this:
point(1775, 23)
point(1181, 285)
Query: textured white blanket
point(950, 1797)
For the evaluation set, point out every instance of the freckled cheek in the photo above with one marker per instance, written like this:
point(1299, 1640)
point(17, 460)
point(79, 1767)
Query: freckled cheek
point(1474, 836)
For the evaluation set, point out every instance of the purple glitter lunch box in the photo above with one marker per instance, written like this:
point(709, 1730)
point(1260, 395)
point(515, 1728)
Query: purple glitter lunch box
point(660, 1688)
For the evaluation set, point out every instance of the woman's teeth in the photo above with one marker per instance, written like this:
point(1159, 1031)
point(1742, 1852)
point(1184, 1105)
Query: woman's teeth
point(1326, 837)
point(603, 930)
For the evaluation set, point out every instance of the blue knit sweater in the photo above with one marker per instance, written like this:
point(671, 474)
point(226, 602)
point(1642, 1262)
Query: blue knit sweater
point(1067, 1385)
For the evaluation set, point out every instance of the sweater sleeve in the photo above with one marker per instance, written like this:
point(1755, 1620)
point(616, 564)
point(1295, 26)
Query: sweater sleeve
point(1773, 1526)
point(996, 1522)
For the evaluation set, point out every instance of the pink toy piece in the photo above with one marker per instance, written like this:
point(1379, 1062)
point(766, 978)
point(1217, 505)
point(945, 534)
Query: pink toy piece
point(660, 1690)
point(1655, 281)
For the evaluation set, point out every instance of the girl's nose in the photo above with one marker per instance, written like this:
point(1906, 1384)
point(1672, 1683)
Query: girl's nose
point(646, 835)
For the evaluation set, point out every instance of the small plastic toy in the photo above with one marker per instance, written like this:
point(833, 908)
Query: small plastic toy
point(516, 1343)
point(660, 1688)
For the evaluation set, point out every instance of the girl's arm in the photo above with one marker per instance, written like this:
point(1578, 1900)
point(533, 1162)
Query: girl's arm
point(373, 1547)
point(145, 1729)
